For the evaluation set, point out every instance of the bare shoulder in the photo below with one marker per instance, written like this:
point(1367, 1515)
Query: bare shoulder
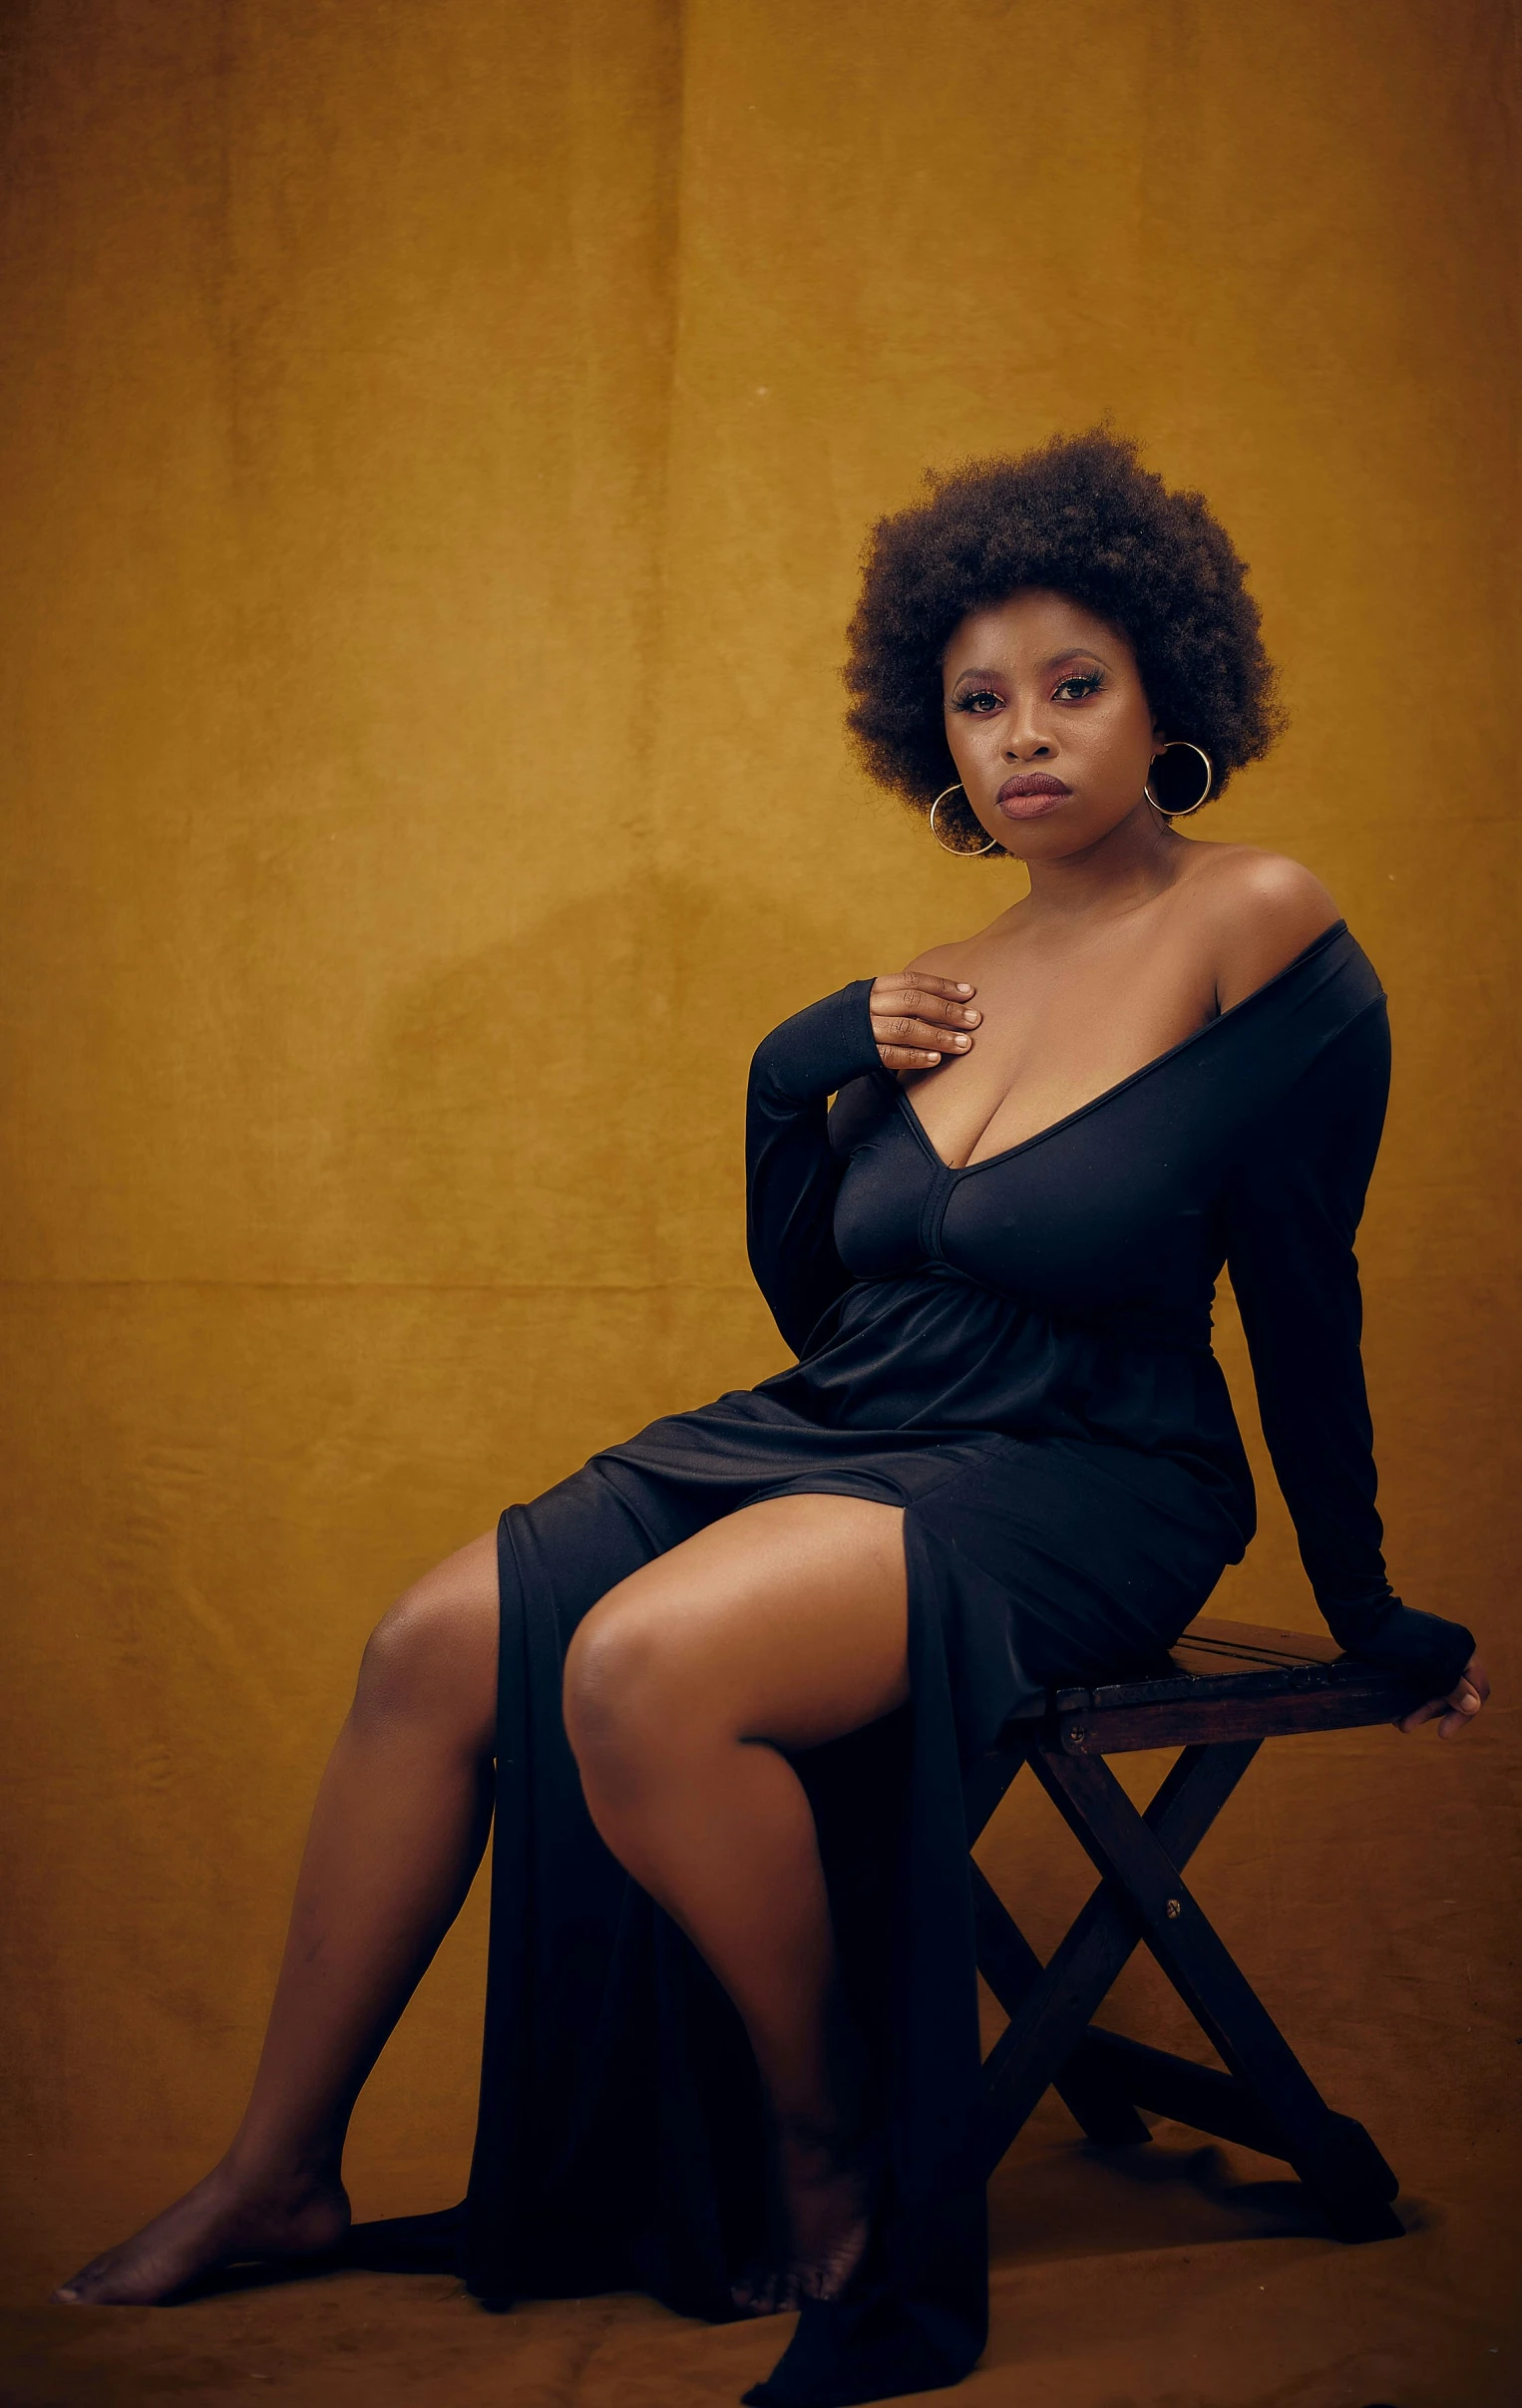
point(942, 961)
point(964, 956)
point(1257, 911)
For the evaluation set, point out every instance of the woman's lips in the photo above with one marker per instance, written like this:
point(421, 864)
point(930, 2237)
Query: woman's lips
point(1029, 797)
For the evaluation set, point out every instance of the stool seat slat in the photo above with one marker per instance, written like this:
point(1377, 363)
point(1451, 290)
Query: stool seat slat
point(1224, 1680)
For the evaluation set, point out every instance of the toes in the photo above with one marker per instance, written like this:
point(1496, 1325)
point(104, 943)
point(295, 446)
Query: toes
point(78, 2293)
point(749, 2293)
point(831, 2278)
point(77, 2290)
point(766, 2291)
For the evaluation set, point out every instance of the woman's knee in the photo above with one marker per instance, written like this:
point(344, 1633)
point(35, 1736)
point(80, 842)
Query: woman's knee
point(433, 1655)
point(628, 1697)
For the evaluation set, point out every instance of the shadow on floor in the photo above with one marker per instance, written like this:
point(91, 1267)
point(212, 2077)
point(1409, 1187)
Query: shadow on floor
point(393, 2244)
point(1075, 2200)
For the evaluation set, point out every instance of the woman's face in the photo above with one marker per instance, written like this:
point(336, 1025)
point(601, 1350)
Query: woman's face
point(1048, 725)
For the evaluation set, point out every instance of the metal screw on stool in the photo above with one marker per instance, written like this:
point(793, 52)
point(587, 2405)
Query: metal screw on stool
point(1175, 1906)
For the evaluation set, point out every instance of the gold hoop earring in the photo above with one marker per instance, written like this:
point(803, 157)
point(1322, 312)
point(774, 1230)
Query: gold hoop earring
point(1182, 813)
point(968, 852)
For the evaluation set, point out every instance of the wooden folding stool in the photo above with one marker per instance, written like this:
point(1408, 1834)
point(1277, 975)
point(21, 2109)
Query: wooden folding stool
point(1226, 1688)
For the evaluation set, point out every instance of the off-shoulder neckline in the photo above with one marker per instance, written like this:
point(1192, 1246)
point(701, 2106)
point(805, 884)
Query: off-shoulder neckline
point(1158, 1062)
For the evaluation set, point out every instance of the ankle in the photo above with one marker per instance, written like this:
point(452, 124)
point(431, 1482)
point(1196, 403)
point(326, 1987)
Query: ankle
point(834, 2122)
point(254, 2170)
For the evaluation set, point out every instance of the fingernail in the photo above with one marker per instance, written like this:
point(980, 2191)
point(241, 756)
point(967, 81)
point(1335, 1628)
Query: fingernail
point(961, 1040)
point(962, 987)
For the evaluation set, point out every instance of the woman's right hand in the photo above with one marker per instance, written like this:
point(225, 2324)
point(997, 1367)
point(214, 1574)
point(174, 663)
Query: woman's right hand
point(917, 1019)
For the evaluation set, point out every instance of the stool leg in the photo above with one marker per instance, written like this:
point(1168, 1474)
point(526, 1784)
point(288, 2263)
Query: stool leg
point(1051, 2019)
point(1009, 1965)
point(1334, 2157)
point(1011, 1969)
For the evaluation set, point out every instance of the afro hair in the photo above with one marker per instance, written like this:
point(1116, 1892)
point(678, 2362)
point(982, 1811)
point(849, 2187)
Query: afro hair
point(1082, 516)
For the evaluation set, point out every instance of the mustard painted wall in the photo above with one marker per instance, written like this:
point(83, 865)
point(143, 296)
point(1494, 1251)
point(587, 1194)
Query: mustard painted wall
point(438, 439)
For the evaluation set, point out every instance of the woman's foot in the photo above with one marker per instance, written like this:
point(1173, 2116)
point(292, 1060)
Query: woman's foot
point(827, 2194)
point(223, 2219)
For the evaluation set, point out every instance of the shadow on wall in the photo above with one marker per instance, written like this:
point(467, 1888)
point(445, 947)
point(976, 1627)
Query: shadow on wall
point(567, 1107)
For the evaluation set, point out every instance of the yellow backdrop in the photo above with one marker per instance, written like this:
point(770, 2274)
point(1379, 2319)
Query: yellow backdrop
point(438, 437)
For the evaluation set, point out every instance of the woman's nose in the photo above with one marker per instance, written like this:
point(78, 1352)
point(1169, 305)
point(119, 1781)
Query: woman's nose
point(1023, 740)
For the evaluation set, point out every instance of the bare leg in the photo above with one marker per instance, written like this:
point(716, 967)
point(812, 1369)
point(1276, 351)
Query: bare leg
point(399, 1826)
point(781, 1626)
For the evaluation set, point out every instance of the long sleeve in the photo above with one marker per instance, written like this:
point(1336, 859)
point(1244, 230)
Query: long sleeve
point(1292, 1217)
point(791, 1173)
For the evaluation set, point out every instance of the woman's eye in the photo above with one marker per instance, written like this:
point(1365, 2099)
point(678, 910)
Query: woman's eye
point(983, 701)
point(1073, 689)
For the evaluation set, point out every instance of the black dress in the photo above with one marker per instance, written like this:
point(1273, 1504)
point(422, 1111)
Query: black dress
point(1018, 1354)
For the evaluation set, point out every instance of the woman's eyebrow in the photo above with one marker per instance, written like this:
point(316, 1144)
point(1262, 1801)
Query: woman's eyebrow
point(1054, 661)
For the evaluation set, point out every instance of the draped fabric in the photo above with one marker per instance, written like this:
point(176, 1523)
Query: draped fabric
point(1019, 1355)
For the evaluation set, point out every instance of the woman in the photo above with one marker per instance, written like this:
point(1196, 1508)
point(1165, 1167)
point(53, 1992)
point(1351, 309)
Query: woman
point(731, 2049)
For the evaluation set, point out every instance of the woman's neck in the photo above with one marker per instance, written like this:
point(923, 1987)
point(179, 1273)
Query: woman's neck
point(1137, 860)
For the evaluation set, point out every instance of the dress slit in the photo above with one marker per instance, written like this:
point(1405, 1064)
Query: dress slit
point(621, 2141)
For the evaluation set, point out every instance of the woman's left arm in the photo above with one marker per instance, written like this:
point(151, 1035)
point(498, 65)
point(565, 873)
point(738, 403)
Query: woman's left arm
point(1292, 1214)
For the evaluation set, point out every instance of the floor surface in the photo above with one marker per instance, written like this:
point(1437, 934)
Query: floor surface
point(1182, 2276)
point(1370, 1886)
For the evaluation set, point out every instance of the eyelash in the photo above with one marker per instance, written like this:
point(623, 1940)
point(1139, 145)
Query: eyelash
point(1087, 681)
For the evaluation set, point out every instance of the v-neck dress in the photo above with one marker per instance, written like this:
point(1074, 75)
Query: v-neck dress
point(1017, 1353)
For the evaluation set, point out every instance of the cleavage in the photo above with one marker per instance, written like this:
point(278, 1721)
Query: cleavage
point(1038, 1058)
